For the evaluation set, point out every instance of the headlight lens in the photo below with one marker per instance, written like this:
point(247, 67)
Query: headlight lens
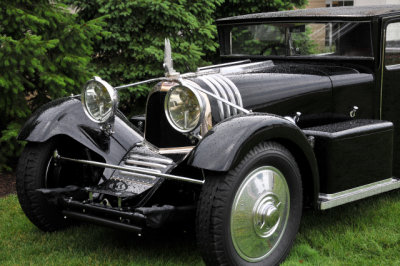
point(99, 100)
point(184, 108)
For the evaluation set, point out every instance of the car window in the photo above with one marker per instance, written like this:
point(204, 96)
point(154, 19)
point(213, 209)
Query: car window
point(392, 50)
point(301, 39)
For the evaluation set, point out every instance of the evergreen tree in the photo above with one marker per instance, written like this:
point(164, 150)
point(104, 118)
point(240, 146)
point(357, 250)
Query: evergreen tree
point(44, 55)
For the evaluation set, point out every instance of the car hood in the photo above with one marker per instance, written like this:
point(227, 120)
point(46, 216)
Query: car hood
point(286, 88)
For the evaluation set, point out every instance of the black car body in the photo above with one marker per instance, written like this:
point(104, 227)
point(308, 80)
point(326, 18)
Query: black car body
point(303, 112)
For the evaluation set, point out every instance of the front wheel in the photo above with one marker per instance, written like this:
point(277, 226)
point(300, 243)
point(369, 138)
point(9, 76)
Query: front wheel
point(37, 169)
point(251, 214)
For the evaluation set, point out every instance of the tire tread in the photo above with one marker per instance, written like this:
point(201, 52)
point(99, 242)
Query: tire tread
point(28, 179)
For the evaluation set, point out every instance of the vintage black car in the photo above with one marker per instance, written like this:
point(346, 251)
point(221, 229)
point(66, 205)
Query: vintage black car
point(302, 113)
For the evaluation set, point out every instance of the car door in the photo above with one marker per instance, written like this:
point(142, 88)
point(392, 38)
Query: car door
point(354, 86)
point(390, 89)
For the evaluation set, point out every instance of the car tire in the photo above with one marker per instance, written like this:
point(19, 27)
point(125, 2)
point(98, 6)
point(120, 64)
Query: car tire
point(32, 174)
point(242, 219)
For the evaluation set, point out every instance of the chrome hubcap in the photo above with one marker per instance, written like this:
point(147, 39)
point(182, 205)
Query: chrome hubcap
point(266, 215)
point(259, 213)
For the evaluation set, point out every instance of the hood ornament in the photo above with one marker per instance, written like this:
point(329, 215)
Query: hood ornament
point(168, 64)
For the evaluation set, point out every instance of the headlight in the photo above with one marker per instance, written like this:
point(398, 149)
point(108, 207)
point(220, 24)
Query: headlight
point(99, 100)
point(184, 108)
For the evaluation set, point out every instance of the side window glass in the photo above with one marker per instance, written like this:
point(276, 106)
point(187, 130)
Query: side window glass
point(392, 50)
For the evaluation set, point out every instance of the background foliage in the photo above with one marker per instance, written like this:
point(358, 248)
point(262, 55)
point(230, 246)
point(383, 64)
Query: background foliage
point(240, 7)
point(46, 52)
point(135, 48)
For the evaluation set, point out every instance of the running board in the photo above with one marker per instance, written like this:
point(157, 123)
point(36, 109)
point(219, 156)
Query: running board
point(327, 201)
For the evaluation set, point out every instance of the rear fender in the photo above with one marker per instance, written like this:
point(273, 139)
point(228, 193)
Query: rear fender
point(228, 142)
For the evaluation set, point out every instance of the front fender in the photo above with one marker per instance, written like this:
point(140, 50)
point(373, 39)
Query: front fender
point(66, 117)
point(228, 142)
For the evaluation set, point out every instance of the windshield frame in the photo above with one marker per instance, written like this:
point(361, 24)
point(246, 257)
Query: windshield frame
point(224, 30)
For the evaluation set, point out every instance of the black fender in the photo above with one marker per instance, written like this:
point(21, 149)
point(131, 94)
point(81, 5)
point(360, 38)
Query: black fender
point(66, 117)
point(228, 142)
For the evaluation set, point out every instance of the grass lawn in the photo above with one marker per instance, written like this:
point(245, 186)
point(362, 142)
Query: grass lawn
point(362, 233)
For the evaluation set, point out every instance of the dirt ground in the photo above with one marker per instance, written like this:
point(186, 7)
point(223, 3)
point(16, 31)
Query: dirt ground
point(7, 184)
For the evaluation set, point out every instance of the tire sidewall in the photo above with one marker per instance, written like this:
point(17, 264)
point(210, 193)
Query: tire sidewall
point(31, 173)
point(289, 170)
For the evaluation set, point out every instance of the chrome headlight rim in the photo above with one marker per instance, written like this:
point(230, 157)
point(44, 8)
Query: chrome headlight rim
point(112, 92)
point(200, 100)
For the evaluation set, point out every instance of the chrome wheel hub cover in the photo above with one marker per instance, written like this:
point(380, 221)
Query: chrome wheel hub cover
point(266, 215)
point(259, 213)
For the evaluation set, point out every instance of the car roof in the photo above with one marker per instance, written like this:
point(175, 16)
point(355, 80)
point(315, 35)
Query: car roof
point(345, 12)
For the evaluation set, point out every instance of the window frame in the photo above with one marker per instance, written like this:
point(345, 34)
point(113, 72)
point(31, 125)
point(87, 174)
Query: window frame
point(226, 51)
point(393, 66)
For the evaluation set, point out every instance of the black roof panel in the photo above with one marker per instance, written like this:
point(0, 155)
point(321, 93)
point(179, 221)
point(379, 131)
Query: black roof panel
point(330, 12)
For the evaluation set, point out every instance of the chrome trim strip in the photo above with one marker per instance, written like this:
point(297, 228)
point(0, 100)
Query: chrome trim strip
point(197, 87)
point(227, 89)
point(216, 92)
point(139, 83)
point(142, 163)
point(140, 168)
point(221, 91)
point(224, 65)
point(177, 150)
point(151, 159)
point(327, 201)
point(393, 67)
point(206, 124)
point(131, 169)
point(234, 89)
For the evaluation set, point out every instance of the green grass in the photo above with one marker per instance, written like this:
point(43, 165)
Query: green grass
point(362, 233)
